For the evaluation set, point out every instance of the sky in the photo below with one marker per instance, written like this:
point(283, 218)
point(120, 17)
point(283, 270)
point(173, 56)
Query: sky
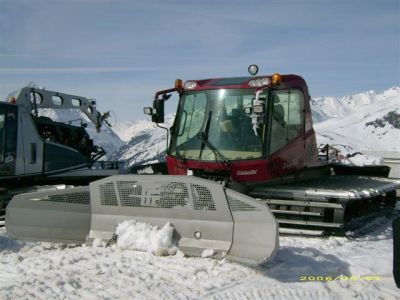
point(121, 52)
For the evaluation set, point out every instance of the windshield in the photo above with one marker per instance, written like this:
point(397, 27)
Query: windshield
point(217, 115)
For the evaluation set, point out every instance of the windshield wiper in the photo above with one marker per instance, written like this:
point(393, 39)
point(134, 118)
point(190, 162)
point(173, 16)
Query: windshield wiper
point(203, 136)
point(179, 155)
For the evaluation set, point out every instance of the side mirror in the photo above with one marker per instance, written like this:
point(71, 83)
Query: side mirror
point(158, 111)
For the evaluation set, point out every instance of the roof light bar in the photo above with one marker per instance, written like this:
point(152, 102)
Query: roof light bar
point(259, 82)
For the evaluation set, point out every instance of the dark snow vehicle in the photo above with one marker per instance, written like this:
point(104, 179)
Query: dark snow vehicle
point(36, 151)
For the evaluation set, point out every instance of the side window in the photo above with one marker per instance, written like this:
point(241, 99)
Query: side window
point(287, 117)
point(192, 117)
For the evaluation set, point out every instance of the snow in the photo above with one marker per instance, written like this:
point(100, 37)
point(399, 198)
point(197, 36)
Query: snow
point(147, 142)
point(365, 160)
point(140, 236)
point(208, 252)
point(358, 266)
point(341, 122)
point(129, 129)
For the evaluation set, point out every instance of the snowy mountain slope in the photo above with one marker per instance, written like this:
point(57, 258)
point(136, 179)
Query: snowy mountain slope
point(127, 130)
point(331, 107)
point(366, 121)
point(353, 267)
point(147, 142)
point(106, 138)
point(348, 123)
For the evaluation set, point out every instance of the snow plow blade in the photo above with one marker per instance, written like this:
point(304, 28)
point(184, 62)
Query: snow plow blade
point(204, 213)
point(61, 216)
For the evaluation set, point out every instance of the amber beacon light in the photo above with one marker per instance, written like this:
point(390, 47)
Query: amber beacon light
point(178, 84)
point(276, 79)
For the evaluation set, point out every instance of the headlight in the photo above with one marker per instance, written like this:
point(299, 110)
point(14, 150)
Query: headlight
point(189, 85)
point(148, 111)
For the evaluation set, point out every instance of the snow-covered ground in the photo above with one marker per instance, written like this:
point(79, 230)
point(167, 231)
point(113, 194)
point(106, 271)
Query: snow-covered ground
point(358, 266)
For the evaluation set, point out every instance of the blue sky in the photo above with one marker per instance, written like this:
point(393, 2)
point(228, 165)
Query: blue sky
point(122, 52)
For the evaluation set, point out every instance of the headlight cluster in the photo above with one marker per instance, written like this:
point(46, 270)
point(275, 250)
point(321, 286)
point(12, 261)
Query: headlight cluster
point(259, 82)
point(189, 85)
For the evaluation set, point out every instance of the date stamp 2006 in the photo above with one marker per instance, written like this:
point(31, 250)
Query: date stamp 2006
point(340, 278)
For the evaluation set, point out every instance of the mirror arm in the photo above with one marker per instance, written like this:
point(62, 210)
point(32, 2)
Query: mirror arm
point(164, 92)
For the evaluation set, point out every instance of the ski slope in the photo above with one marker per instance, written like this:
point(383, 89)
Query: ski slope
point(358, 266)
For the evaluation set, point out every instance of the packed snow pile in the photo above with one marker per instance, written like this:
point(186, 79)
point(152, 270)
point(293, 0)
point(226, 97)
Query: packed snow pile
point(208, 252)
point(140, 236)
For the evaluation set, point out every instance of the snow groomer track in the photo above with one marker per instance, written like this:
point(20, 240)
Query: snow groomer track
point(205, 215)
point(324, 205)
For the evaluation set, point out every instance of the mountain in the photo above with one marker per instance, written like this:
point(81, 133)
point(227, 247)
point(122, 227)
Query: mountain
point(147, 142)
point(364, 121)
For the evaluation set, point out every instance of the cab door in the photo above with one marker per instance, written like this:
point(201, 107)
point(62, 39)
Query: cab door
point(286, 142)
